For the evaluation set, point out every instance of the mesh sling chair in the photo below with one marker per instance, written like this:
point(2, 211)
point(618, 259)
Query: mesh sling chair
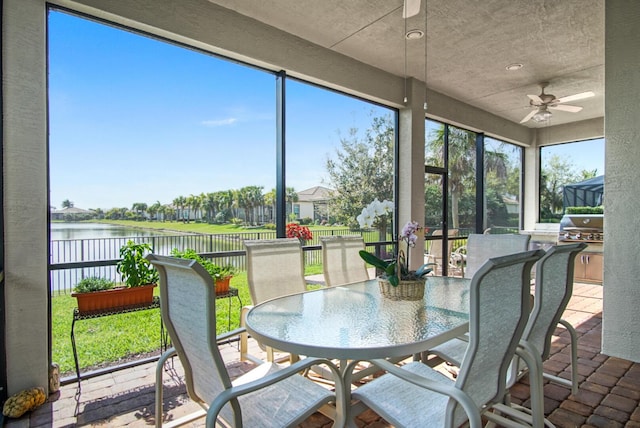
point(554, 286)
point(341, 261)
point(266, 396)
point(435, 254)
point(275, 267)
point(415, 395)
point(479, 248)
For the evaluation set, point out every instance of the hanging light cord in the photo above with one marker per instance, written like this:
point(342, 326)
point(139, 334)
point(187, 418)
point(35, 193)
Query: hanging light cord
point(425, 54)
point(405, 52)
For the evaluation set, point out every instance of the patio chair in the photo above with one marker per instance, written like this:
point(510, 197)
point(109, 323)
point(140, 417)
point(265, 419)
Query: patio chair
point(415, 395)
point(275, 267)
point(554, 286)
point(435, 254)
point(266, 396)
point(341, 263)
point(480, 248)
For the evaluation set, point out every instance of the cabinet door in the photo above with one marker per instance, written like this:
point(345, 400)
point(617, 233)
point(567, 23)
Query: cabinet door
point(579, 271)
point(593, 267)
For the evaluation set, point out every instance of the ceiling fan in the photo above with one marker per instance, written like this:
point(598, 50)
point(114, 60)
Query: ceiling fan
point(411, 8)
point(545, 102)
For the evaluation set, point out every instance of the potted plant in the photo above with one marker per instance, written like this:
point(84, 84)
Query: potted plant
point(139, 276)
point(221, 274)
point(396, 281)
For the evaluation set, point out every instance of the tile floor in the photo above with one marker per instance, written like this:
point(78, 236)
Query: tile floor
point(609, 387)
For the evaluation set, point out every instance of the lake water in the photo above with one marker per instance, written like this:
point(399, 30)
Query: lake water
point(77, 242)
point(97, 230)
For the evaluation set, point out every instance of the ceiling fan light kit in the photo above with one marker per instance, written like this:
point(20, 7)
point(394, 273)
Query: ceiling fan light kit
point(542, 115)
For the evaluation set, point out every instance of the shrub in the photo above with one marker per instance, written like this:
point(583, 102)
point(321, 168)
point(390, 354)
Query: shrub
point(585, 210)
point(306, 220)
point(93, 283)
point(270, 226)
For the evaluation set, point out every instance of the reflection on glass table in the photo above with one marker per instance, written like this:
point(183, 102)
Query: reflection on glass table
point(354, 321)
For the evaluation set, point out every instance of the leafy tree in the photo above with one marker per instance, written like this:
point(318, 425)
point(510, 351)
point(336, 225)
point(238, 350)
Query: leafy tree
point(554, 174)
point(362, 170)
point(67, 204)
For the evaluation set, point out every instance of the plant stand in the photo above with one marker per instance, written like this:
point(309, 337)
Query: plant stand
point(78, 316)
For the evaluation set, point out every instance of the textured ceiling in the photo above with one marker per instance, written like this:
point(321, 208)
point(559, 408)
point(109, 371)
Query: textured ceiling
point(469, 44)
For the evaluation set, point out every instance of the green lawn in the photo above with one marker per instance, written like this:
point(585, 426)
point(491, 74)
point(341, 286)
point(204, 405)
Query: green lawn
point(192, 226)
point(106, 340)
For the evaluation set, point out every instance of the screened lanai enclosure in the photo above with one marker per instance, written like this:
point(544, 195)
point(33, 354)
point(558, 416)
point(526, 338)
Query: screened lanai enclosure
point(587, 193)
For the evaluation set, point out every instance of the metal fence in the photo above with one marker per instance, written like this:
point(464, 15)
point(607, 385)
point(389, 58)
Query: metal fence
point(74, 259)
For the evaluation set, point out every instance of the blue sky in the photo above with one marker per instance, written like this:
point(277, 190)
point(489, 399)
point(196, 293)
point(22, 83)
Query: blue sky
point(134, 119)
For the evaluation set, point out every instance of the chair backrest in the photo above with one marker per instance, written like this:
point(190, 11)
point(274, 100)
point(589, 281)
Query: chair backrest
point(188, 308)
point(435, 250)
point(498, 313)
point(341, 261)
point(554, 286)
point(275, 267)
point(480, 248)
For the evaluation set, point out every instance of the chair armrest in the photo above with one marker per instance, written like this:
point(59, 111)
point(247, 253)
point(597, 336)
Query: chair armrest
point(450, 390)
point(294, 369)
point(229, 334)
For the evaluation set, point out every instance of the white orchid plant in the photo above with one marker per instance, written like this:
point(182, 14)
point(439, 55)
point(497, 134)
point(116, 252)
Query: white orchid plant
point(394, 270)
point(374, 212)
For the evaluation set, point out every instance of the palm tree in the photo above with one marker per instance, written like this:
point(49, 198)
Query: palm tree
point(291, 196)
point(210, 204)
point(462, 164)
point(67, 204)
point(154, 209)
point(252, 199)
point(270, 200)
point(139, 208)
point(179, 203)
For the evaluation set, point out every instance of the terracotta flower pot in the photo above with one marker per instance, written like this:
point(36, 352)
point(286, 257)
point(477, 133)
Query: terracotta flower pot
point(116, 298)
point(222, 285)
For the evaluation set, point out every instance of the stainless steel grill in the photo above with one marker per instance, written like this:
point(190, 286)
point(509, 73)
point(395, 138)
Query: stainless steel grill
point(581, 228)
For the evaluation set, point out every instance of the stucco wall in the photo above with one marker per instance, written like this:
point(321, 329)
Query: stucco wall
point(621, 322)
point(25, 193)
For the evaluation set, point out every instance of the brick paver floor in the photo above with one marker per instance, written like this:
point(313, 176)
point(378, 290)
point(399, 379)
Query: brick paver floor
point(608, 397)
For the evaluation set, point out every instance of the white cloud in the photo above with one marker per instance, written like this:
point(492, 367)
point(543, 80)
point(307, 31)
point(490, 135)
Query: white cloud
point(220, 122)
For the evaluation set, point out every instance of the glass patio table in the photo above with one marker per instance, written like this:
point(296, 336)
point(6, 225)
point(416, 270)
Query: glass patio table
point(354, 321)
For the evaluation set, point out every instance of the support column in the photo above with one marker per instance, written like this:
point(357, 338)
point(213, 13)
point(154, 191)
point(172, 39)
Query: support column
point(411, 165)
point(25, 202)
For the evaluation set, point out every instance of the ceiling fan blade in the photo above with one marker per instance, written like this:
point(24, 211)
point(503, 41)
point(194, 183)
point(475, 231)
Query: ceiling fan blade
point(536, 99)
point(565, 107)
point(411, 8)
point(580, 96)
point(528, 117)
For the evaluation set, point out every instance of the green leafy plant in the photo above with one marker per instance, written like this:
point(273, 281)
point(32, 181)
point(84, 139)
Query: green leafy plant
point(136, 271)
point(93, 283)
point(395, 270)
point(216, 271)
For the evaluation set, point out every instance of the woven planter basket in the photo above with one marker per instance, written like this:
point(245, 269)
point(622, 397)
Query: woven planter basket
point(408, 289)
